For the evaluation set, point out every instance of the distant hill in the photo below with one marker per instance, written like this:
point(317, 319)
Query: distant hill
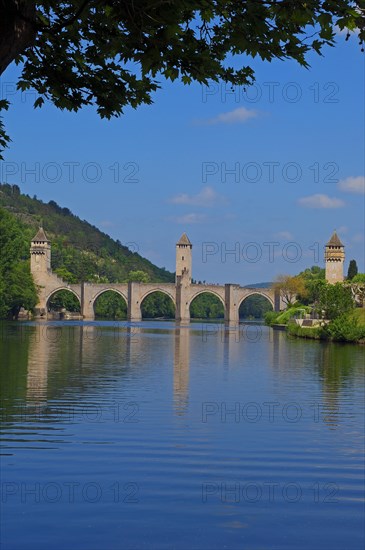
point(259, 285)
point(80, 251)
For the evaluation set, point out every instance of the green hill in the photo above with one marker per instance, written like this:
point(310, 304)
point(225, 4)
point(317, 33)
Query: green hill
point(80, 251)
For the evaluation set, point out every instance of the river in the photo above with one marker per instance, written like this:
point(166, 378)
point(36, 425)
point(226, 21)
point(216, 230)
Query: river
point(159, 436)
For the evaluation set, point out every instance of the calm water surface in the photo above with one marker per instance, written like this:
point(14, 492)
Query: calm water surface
point(155, 436)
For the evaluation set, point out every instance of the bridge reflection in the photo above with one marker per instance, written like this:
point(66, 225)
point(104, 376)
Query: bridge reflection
point(56, 360)
point(181, 369)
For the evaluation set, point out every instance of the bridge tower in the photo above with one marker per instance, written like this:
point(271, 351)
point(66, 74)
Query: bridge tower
point(183, 278)
point(183, 258)
point(40, 256)
point(334, 258)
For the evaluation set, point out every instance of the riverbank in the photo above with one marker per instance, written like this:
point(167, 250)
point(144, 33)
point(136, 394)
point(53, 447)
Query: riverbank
point(346, 328)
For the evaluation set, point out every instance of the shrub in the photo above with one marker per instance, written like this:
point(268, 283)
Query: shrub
point(283, 317)
point(288, 314)
point(316, 333)
point(345, 328)
point(359, 278)
point(270, 317)
point(335, 300)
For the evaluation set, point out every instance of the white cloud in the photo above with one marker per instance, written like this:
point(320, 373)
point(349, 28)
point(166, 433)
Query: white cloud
point(188, 219)
point(237, 116)
point(353, 184)
point(207, 197)
point(321, 201)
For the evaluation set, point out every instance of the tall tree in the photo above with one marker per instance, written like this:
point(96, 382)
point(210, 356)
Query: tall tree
point(352, 270)
point(83, 52)
point(17, 288)
point(312, 278)
point(335, 300)
point(290, 288)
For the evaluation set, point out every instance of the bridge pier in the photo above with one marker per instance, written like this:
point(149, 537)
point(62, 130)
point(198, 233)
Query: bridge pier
point(182, 311)
point(134, 306)
point(87, 305)
point(231, 307)
point(278, 301)
point(40, 311)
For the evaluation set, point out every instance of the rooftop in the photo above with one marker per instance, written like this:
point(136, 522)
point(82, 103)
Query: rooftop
point(184, 239)
point(41, 236)
point(334, 240)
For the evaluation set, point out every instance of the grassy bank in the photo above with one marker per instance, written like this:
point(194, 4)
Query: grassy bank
point(283, 317)
point(313, 333)
point(349, 327)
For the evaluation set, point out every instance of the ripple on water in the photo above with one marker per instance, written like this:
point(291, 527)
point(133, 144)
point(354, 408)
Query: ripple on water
point(111, 433)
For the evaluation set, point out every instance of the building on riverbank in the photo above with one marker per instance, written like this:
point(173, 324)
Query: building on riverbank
point(334, 258)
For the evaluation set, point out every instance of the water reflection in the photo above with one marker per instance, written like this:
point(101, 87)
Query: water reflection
point(38, 364)
point(111, 404)
point(231, 335)
point(43, 362)
point(181, 369)
point(337, 372)
point(338, 369)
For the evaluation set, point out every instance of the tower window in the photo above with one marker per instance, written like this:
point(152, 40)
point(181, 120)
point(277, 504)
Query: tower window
point(182, 257)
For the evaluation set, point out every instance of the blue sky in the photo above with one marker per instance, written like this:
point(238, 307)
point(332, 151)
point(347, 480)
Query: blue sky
point(268, 172)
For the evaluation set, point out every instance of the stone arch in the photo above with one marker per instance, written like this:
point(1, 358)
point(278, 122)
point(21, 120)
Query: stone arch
point(157, 289)
point(206, 291)
point(103, 291)
point(257, 293)
point(94, 298)
point(50, 294)
point(153, 291)
point(210, 291)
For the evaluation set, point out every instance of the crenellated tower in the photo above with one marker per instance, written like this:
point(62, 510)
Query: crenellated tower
point(334, 259)
point(183, 278)
point(184, 259)
point(40, 255)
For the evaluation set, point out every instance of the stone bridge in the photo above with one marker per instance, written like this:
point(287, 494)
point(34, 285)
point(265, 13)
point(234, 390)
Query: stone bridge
point(230, 295)
point(182, 292)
